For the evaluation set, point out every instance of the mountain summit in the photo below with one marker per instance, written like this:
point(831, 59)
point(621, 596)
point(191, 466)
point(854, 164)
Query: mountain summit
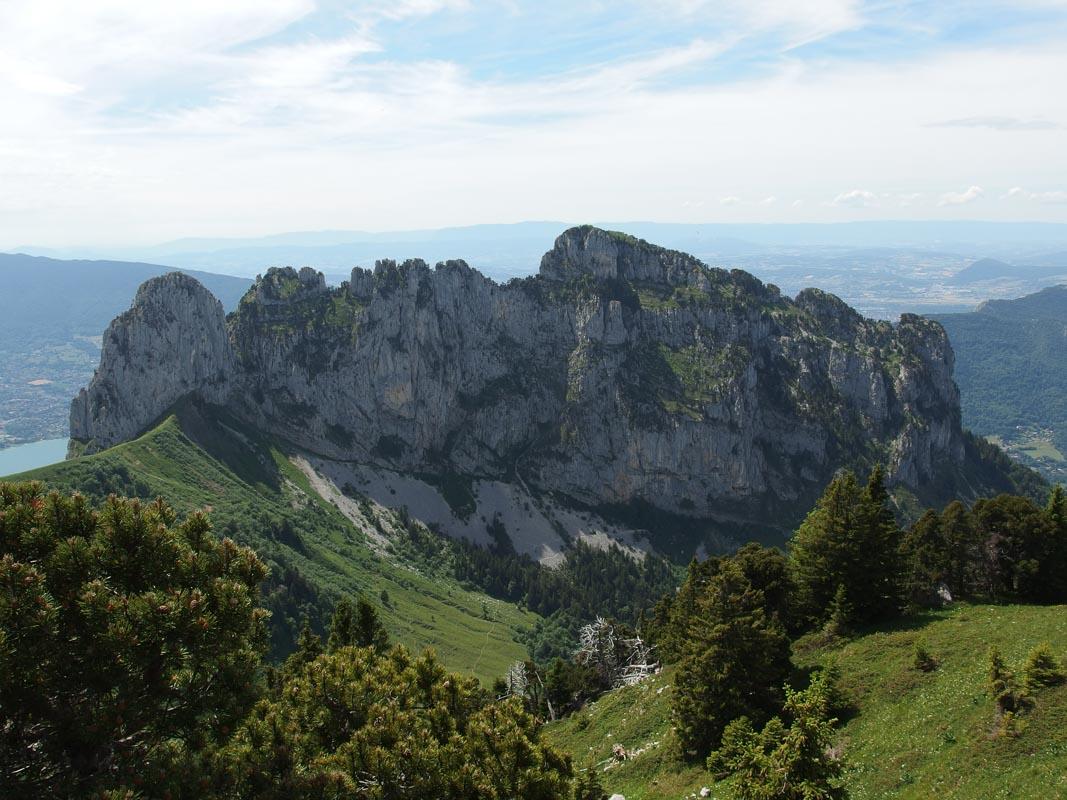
point(622, 375)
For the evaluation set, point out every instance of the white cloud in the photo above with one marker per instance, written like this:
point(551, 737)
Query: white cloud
point(402, 9)
point(998, 123)
point(1054, 197)
point(855, 198)
point(961, 198)
point(311, 131)
point(802, 22)
point(769, 200)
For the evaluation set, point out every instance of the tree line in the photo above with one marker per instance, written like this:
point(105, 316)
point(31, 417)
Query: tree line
point(730, 625)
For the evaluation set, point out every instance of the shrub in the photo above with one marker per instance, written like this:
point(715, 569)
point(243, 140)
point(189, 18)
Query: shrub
point(1042, 669)
point(129, 644)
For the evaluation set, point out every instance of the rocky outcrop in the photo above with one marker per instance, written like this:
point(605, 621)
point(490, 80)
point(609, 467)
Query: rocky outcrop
point(621, 373)
point(171, 343)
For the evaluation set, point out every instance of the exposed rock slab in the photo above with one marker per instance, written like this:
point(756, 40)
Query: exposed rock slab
point(622, 374)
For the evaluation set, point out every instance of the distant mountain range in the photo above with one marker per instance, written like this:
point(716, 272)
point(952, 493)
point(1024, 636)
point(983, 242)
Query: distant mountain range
point(507, 250)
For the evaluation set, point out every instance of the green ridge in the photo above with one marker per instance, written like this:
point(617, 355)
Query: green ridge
point(243, 479)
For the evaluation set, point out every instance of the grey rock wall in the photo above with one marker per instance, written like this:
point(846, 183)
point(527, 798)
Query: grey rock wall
point(622, 372)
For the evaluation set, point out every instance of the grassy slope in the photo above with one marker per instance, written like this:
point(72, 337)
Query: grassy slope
point(914, 735)
point(242, 477)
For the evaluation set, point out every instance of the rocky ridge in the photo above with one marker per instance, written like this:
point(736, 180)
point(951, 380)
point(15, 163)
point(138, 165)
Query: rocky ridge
point(621, 374)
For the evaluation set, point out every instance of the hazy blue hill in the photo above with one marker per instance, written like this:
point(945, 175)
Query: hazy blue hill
point(48, 296)
point(1049, 304)
point(990, 269)
point(1012, 373)
point(52, 313)
point(983, 270)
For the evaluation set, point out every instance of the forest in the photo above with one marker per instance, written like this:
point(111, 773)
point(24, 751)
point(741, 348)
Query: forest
point(133, 644)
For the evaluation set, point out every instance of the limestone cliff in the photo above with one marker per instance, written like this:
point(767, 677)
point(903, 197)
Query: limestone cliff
point(621, 373)
point(171, 343)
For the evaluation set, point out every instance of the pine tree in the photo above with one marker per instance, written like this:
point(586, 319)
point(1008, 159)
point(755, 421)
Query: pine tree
point(358, 626)
point(1054, 563)
point(342, 626)
point(1008, 699)
point(369, 630)
point(356, 723)
point(962, 549)
point(308, 645)
point(840, 619)
point(784, 763)
point(129, 644)
point(925, 556)
point(851, 540)
point(823, 550)
point(735, 661)
point(1017, 537)
point(922, 659)
point(879, 549)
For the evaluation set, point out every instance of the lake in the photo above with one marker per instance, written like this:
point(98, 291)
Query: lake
point(22, 457)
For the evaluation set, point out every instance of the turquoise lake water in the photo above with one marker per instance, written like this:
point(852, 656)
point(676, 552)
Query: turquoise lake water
point(30, 456)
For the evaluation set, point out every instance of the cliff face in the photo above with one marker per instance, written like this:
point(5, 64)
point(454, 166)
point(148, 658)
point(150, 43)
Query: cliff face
point(622, 372)
point(171, 343)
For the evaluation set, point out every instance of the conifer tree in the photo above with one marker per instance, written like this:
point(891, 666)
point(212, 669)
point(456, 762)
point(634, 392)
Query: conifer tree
point(1018, 537)
point(925, 556)
point(840, 619)
point(342, 626)
point(962, 549)
point(356, 723)
point(1054, 564)
point(1057, 506)
point(588, 787)
point(780, 762)
point(735, 661)
point(1042, 668)
point(1008, 699)
point(369, 630)
point(879, 549)
point(129, 645)
point(359, 626)
point(308, 645)
point(823, 551)
point(851, 540)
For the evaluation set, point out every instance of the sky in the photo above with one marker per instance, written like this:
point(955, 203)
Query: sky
point(138, 121)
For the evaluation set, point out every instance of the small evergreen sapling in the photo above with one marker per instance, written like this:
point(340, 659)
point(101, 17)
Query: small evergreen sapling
point(587, 786)
point(1010, 701)
point(1042, 668)
point(923, 660)
point(794, 762)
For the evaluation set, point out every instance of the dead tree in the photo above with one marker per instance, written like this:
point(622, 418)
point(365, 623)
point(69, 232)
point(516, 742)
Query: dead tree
point(620, 660)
